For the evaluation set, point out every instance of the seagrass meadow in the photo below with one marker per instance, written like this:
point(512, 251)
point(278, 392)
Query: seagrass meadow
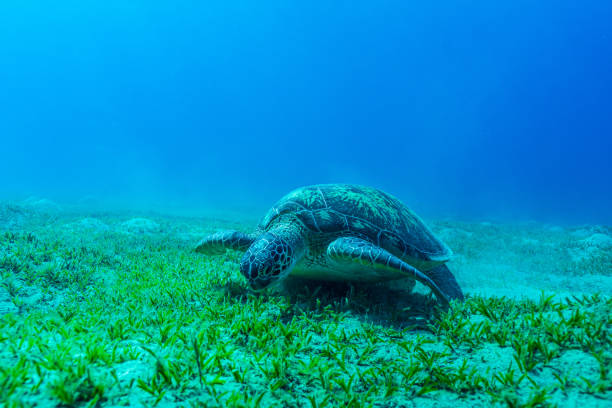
point(108, 308)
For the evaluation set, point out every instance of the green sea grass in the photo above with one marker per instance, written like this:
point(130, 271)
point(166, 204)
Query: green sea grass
point(108, 317)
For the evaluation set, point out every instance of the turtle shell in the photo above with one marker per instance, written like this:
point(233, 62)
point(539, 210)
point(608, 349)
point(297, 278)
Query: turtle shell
point(336, 210)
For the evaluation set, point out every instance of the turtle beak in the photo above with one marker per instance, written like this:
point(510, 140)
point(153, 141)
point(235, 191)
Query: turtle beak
point(259, 284)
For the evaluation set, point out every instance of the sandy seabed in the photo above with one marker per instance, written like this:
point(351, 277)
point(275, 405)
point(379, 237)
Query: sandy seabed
point(109, 308)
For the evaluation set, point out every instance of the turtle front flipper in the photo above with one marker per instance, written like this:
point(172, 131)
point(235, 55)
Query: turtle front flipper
point(446, 281)
point(348, 252)
point(218, 242)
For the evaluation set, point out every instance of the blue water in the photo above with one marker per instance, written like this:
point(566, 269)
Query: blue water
point(464, 108)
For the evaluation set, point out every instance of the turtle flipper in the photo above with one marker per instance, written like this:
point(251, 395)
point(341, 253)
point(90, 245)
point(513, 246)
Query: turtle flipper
point(218, 242)
point(446, 281)
point(348, 250)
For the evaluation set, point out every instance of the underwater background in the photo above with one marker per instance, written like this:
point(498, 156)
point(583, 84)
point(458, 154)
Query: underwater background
point(133, 132)
point(465, 108)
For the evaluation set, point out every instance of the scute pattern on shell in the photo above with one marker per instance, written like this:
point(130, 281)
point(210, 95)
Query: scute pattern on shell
point(359, 211)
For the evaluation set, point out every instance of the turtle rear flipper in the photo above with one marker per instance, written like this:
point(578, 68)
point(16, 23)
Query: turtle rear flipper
point(349, 251)
point(219, 242)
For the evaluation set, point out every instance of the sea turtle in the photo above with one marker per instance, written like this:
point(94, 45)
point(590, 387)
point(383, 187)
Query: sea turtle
point(340, 232)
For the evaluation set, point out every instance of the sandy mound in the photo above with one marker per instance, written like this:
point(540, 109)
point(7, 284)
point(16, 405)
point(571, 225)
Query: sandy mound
point(140, 226)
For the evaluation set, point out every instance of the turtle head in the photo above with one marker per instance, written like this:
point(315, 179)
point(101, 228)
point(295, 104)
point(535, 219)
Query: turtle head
point(270, 258)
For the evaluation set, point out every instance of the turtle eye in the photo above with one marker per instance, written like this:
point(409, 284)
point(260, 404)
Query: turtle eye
point(268, 270)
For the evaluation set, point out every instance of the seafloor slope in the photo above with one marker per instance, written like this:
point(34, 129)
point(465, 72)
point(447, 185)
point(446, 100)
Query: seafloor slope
point(109, 309)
